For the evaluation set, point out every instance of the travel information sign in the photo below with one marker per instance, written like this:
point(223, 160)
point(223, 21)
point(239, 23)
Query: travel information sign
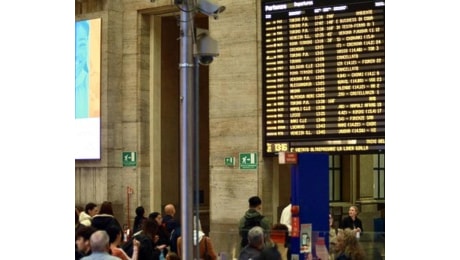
point(323, 73)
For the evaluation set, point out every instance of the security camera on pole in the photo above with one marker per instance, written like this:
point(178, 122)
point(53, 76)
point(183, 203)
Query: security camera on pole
point(205, 47)
point(205, 51)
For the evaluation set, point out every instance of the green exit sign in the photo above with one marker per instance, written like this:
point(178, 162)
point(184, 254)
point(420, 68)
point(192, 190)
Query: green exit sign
point(129, 158)
point(229, 161)
point(248, 160)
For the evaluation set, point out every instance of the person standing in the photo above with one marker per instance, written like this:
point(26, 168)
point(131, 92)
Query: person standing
point(82, 241)
point(115, 236)
point(87, 215)
point(100, 247)
point(352, 221)
point(78, 225)
point(162, 233)
point(168, 219)
point(105, 217)
point(348, 246)
point(252, 217)
point(172, 226)
point(149, 248)
point(286, 217)
point(332, 237)
point(139, 219)
point(204, 244)
point(255, 246)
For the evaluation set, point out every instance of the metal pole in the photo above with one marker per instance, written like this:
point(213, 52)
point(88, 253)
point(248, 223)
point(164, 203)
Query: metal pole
point(196, 123)
point(186, 127)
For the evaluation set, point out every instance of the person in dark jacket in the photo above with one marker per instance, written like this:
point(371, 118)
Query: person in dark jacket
point(251, 218)
point(172, 226)
point(105, 217)
point(168, 219)
point(149, 248)
point(352, 221)
point(139, 219)
point(255, 246)
point(163, 234)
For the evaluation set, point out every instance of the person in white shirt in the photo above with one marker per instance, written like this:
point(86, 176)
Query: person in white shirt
point(285, 219)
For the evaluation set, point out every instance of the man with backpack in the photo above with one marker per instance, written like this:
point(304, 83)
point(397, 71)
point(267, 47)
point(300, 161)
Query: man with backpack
point(252, 217)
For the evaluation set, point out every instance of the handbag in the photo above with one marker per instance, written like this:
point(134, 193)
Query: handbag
point(206, 255)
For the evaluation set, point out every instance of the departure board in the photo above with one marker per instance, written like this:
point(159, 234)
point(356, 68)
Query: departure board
point(323, 73)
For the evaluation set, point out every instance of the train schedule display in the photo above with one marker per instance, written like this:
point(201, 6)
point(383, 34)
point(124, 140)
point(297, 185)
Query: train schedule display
point(323, 76)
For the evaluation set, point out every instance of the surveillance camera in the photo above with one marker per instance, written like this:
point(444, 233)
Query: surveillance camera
point(205, 47)
point(210, 9)
point(205, 60)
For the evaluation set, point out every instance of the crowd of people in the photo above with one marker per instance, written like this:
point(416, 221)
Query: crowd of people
point(256, 242)
point(98, 235)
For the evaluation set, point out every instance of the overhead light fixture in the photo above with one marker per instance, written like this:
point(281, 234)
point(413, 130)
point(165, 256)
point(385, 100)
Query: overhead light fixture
point(209, 9)
point(205, 48)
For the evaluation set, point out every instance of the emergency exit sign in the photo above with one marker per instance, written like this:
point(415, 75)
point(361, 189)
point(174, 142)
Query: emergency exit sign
point(229, 161)
point(248, 160)
point(129, 158)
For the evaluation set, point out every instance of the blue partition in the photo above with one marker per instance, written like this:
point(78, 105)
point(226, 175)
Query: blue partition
point(310, 190)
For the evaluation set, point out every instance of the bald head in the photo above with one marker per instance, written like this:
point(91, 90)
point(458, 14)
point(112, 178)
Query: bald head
point(170, 209)
point(99, 241)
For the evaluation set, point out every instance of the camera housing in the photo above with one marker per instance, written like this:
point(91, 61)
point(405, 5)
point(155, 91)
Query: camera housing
point(210, 9)
point(205, 47)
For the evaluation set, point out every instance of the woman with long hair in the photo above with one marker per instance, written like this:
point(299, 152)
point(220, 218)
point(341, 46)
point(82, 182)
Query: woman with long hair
point(105, 217)
point(139, 219)
point(348, 246)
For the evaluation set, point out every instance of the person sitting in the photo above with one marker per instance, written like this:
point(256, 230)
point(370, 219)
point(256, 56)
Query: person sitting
point(100, 247)
point(256, 244)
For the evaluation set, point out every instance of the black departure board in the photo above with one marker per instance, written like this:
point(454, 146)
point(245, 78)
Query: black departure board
point(323, 73)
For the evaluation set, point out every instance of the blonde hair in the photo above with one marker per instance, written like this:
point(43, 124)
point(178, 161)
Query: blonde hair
point(356, 209)
point(349, 245)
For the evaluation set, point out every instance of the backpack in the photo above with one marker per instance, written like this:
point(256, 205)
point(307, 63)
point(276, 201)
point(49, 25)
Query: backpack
point(248, 224)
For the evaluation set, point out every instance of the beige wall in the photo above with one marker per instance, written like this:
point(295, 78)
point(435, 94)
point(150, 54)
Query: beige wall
point(139, 88)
